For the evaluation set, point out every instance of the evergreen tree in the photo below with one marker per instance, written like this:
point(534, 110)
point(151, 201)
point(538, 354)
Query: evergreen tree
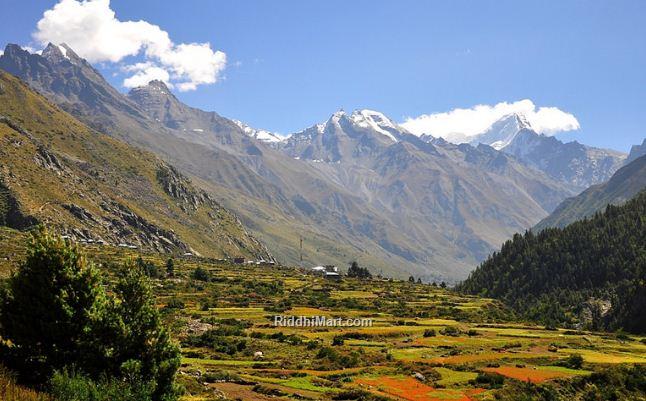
point(144, 351)
point(57, 317)
point(358, 272)
point(170, 267)
point(48, 309)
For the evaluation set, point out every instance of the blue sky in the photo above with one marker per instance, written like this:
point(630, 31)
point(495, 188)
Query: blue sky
point(291, 64)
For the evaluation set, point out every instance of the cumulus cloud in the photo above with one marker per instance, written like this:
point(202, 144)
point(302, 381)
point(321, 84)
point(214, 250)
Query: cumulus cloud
point(91, 28)
point(144, 73)
point(458, 124)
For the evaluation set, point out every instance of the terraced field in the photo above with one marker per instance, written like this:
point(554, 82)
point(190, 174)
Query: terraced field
point(426, 343)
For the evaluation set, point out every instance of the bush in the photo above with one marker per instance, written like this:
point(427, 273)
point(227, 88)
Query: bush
point(430, 333)
point(149, 268)
point(450, 331)
point(489, 380)
point(574, 361)
point(175, 303)
point(200, 274)
point(72, 387)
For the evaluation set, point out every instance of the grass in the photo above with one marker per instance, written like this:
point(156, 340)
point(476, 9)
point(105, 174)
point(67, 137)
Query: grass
point(454, 377)
point(10, 391)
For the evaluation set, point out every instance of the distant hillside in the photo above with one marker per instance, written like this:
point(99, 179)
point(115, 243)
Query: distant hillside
point(592, 273)
point(57, 171)
point(623, 185)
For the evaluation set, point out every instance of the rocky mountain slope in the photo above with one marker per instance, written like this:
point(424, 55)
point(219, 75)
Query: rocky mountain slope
point(450, 200)
point(354, 187)
point(636, 151)
point(627, 182)
point(572, 163)
point(57, 171)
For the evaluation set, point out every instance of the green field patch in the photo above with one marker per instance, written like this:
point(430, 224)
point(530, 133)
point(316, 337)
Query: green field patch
point(593, 356)
point(222, 362)
point(454, 377)
point(562, 369)
point(352, 294)
point(364, 343)
point(298, 383)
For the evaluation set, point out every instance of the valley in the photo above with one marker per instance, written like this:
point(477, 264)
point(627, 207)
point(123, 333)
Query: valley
point(426, 343)
point(151, 250)
point(357, 186)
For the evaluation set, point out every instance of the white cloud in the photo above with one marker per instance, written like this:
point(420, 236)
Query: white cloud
point(458, 124)
point(144, 73)
point(91, 28)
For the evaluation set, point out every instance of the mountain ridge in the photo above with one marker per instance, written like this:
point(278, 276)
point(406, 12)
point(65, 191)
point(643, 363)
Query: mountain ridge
point(627, 182)
point(357, 186)
point(93, 188)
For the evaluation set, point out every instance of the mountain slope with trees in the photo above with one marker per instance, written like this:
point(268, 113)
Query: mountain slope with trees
point(623, 185)
point(591, 273)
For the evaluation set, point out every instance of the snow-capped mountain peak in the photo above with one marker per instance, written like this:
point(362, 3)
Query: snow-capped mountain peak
point(503, 131)
point(259, 134)
point(59, 53)
point(376, 121)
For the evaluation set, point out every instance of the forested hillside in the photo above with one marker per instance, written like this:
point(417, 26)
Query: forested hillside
point(591, 273)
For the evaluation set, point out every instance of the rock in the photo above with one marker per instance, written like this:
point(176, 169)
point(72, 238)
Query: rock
point(419, 376)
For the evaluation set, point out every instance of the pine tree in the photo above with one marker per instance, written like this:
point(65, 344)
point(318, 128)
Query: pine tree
point(49, 307)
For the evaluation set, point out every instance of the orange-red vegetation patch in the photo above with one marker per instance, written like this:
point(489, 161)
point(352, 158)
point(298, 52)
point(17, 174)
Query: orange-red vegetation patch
point(413, 390)
point(527, 374)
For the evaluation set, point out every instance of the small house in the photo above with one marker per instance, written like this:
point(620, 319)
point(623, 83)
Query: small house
point(334, 276)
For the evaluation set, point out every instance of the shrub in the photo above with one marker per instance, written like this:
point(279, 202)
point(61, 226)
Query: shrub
point(149, 268)
point(430, 333)
point(489, 380)
point(450, 331)
point(175, 303)
point(200, 274)
point(574, 361)
point(72, 387)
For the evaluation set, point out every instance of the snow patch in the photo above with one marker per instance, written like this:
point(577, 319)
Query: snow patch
point(260, 134)
point(375, 121)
